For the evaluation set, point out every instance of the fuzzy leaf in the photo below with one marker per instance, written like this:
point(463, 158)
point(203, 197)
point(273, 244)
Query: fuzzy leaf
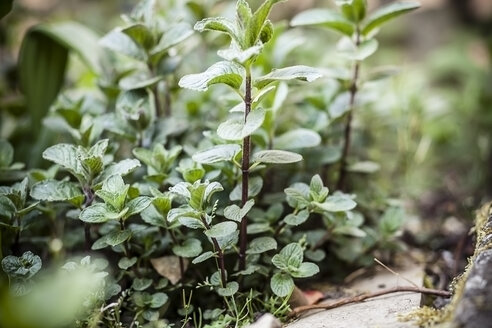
point(231, 289)
point(222, 72)
point(190, 248)
point(23, 267)
point(289, 257)
point(222, 229)
point(117, 237)
point(137, 205)
point(282, 284)
point(276, 157)
point(141, 284)
point(325, 18)
point(175, 35)
point(6, 153)
point(235, 213)
point(66, 156)
point(235, 129)
point(297, 219)
point(121, 168)
point(387, 13)
point(261, 244)
point(58, 191)
point(306, 269)
point(203, 257)
point(219, 24)
point(363, 51)
point(124, 263)
point(254, 188)
point(217, 154)
point(299, 72)
point(100, 213)
point(337, 203)
point(121, 43)
point(257, 22)
point(298, 138)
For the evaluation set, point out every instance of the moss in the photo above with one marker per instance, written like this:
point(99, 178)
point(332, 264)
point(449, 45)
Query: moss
point(442, 318)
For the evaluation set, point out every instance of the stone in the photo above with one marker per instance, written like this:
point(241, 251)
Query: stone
point(266, 321)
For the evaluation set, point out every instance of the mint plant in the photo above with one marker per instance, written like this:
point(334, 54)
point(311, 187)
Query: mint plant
point(358, 43)
point(249, 33)
point(198, 227)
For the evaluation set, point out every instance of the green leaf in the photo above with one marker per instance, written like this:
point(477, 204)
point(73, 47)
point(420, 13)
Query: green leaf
point(23, 267)
point(235, 213)
point(125, 263)
point(7, 208)
point(364, 167)
point(114, 192)
point(261, 245)
point(5, 7)
point(235, 129)
point(217, 154)
point(225, 72)
point(354, 10)
point(122, 168)
point(119, 42)
point(222, 229)
point(282, 284)
point(325, 18)
point(66, 156)
point(298, 138)
point(6, 154)
point(337, 203)
point(276, 157)
point(306, 269)
point(203, 257)
point(298, 195)
point(219, 24)
point(137, 205)
point(190, 248)
point(140, 284)
point(58, 191)
point(236, 54)
point(231, 289)
point(175, 35)
point(243, 11)
point(297, 219)
point(299, 72)
point(158, 300)
point(100, 213)
point(349, 231)
point(387, 13)
point(348, 50)
point(290, 257)
point(254, 187)
point(117, 237)
point(257, 22)
point(140, 34)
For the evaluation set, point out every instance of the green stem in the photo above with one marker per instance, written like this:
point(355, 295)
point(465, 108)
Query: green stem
point(348, 124)
point(243, 238)
point(220, 254)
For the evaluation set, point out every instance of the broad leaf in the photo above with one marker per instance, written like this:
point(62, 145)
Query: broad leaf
point(23, 267)
point(58, 191)
point(261, 244)
point(190, 248)
point(100, 213)
point(254, 187)
point(387, 13)
point(298, 138)
point(217, 154)
point(124, 263)
point(297, 219)
point(276, 157)
point(235, 213)
point(289, 257)
point(140, 34)
point(219, 24)
point(282, 284)
point(337, 203)
point(235, 129)
point(66, 156)
point(225, 72)
point(348, 50)
point(203, 257)
point(231, 289)
point(118, 41)
point(141, 284)
point(300, 72)
point(257, 22)
point(176, 34)
point(326, 18)
point(117, 237)
point(6, 154)
point(222, 229)
point(122, 168)
point(306, 269)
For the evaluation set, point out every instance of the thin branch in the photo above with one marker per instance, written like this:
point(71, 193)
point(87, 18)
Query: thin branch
point(220, 255)
point(395, 273)
point(362, 297)
point(243, 238)
point(348, 125)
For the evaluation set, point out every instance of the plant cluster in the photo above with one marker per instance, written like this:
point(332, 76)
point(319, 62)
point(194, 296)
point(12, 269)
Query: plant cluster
point(202, 223)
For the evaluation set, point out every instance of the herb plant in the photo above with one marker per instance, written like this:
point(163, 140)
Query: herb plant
point(197, 226)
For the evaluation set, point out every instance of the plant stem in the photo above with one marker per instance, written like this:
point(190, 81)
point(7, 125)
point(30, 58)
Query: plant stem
point(243, 238)
point(220, 254)
point(89, 198)
point(362, 297)
point(348, 124)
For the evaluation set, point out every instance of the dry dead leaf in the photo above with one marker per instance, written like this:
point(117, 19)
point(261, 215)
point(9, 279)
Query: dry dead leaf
point(168, 267)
